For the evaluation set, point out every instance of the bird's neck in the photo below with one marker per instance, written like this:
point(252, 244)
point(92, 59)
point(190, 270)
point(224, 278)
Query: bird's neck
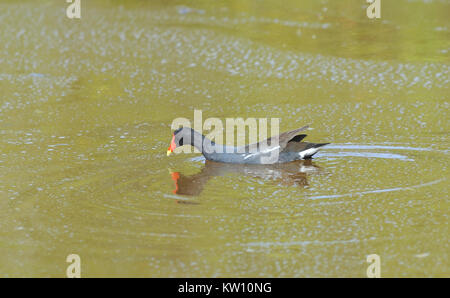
point(202, 143)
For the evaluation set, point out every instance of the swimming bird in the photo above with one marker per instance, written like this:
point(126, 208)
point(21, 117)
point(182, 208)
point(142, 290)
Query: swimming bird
point(285, 147)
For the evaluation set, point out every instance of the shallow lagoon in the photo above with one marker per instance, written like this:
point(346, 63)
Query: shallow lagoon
point(85, 113)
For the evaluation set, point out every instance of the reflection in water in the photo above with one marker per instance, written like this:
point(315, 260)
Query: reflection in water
point(289, 174)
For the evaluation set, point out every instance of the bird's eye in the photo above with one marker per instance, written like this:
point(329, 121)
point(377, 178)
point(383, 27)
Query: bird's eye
point(181, 142)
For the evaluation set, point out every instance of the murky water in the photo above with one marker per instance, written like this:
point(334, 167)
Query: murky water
point(85, 113)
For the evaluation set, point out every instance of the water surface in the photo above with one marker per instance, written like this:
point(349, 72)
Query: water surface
point(85, 113)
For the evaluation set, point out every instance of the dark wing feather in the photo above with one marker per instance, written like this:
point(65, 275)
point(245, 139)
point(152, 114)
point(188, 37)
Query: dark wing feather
point(301, 146)
point(280, 140)
point(297, 138)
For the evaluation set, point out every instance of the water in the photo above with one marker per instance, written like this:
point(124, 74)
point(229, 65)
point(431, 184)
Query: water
point(85, 113)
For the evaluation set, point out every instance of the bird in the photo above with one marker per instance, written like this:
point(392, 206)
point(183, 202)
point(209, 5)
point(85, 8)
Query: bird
point(285, 147)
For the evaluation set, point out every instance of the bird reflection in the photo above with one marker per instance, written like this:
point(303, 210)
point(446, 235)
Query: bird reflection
point(287, 174)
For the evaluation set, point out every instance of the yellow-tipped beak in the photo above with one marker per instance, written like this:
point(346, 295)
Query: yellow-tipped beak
point(169, 152)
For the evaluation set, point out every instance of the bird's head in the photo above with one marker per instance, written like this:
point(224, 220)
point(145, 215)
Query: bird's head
point(177, 139)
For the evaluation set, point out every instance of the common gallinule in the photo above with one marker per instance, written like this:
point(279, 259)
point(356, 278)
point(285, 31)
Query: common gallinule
point(285, 147)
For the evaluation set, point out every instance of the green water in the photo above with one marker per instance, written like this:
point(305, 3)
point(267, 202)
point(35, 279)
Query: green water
point(85, 112)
